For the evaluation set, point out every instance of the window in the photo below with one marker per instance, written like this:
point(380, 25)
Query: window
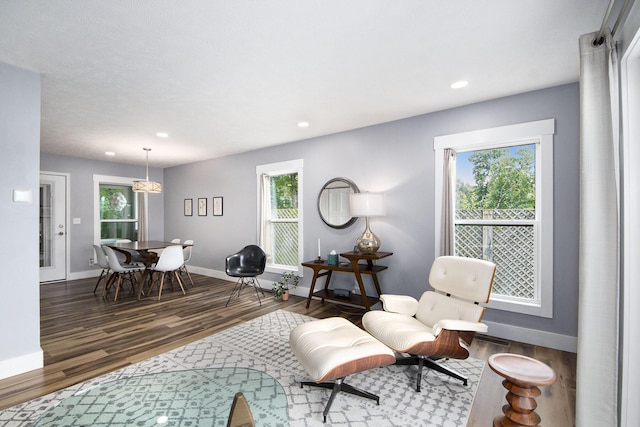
point(503, 209)
point(280, 214)
point(116, 209)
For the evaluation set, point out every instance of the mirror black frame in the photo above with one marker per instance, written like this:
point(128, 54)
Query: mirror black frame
point(354, 188)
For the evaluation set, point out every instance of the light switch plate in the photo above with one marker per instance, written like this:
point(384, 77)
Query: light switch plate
point(77, 221)
point(22, 196)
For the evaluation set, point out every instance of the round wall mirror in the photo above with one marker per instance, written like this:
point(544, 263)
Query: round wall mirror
point(333, 202)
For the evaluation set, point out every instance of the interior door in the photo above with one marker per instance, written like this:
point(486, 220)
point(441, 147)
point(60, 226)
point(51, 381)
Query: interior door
point(53, 227)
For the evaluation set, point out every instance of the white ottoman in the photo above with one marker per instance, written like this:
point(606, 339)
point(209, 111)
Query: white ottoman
point(331, 349)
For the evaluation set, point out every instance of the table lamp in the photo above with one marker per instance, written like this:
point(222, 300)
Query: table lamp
point(367, 205)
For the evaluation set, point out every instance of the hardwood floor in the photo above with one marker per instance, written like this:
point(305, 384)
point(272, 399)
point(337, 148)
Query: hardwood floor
point(84, 336)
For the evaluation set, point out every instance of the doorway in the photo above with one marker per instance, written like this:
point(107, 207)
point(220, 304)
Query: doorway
point(53, 227)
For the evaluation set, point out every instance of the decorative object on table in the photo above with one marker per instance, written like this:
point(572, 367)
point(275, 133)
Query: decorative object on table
point(188, 207)
point(367, 205)
point(333, 202)
point(202, 206)
point(147, 186)
point(332, 259)
point(281, 288)
point(522, 376)
point(217, 206)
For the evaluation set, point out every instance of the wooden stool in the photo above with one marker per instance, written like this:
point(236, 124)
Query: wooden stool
point(522, 376)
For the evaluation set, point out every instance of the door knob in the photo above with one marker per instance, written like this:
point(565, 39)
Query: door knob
point(61, 233)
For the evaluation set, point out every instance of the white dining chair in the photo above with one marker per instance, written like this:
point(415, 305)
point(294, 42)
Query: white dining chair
point(101, 260)
point(170, 262)
point(159, 251)
point(120, 273)
point(187, 256)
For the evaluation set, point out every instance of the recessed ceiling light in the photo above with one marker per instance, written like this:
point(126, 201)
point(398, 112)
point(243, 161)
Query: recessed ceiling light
point(109, 153)
point(303, 124)
point(459, 84)
point(162, 135)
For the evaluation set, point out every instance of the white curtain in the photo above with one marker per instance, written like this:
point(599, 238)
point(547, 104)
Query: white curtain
point(447, 240)
point(264, 227)
point(597, 372)
point(143, 228)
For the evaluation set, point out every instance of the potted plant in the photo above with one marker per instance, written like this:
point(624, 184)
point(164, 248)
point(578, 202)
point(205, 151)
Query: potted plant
point(281, 288)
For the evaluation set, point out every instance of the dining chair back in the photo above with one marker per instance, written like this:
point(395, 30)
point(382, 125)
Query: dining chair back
point(171, 259)
point(187, 256)
point(121, 272)
point(101, 260)
point(159, 251)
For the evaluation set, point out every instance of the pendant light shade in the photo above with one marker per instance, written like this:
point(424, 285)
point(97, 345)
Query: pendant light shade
point(147, 186)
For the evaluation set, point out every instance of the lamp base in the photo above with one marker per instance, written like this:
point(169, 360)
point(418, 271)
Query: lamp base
point(368, 243)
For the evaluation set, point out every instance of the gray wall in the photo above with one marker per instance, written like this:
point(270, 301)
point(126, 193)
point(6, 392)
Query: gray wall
point(20, 142)
point(81, 173)
point(396, 158)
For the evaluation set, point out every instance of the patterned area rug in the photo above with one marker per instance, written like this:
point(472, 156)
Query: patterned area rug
point(263, 344)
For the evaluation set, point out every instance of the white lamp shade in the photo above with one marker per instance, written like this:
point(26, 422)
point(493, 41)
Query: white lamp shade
point(367, 204)
point(147, 187)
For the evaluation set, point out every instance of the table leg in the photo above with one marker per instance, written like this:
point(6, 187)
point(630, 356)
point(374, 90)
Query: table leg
point(520, 410)
point(313, 285)
point(143, 278)
point(363, 292)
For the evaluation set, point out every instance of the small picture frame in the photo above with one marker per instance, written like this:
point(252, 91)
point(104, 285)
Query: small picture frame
point(188, 207)
point(217, 206)
point(202, 206)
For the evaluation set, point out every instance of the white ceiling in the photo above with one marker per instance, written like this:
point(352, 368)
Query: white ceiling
point(228, 76)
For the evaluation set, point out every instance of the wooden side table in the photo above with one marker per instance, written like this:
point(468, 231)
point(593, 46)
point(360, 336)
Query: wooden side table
point(355, 267)
point(522, 376)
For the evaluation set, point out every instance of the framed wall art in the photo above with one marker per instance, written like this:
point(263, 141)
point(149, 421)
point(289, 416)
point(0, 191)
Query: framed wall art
point(188, 207)
point(202, 206)
point(217, 206)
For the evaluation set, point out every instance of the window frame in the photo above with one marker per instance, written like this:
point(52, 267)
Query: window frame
point(115, 180)
point(541, 133)
point(283, 168)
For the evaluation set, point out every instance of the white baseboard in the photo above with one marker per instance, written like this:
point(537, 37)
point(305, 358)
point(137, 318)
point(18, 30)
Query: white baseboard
point(22, 364)
point(84, 274)
point(264, 284)
point(533, 336)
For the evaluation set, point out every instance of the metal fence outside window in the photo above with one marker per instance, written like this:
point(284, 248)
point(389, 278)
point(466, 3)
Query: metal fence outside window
point(285, 237)
point(511, 247)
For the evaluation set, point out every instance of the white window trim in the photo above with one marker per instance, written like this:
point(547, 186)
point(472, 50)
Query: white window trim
point(541, 132)
point(281, 168)
point(106, 179)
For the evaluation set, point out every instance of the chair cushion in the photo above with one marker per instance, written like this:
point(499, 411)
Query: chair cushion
point(466, 278)
point(334, 348)
point(398, 331)
point(434, 307)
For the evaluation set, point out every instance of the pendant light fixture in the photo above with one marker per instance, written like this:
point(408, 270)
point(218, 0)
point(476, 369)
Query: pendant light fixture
point(147, 186)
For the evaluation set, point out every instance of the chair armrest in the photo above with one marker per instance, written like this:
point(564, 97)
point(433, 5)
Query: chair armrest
point(402, 304)
point(459, 325)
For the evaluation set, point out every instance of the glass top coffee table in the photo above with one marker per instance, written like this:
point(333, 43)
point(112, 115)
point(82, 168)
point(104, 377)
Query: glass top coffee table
point(196, 397)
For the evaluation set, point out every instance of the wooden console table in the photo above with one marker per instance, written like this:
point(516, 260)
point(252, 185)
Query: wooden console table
point(353, 266)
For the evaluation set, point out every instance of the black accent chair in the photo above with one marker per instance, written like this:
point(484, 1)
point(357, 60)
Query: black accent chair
point(246, 264)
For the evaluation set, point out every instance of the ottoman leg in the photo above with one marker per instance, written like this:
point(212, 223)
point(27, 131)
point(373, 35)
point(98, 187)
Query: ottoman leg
point(338, 386)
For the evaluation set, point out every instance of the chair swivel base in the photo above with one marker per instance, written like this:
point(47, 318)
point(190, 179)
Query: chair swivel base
point(337, 386)
point(242, 283)
point(423, 361)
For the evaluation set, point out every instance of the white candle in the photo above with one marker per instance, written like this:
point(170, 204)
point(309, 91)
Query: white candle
point(319, 256)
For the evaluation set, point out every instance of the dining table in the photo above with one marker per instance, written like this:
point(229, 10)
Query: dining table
point(145, 248)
